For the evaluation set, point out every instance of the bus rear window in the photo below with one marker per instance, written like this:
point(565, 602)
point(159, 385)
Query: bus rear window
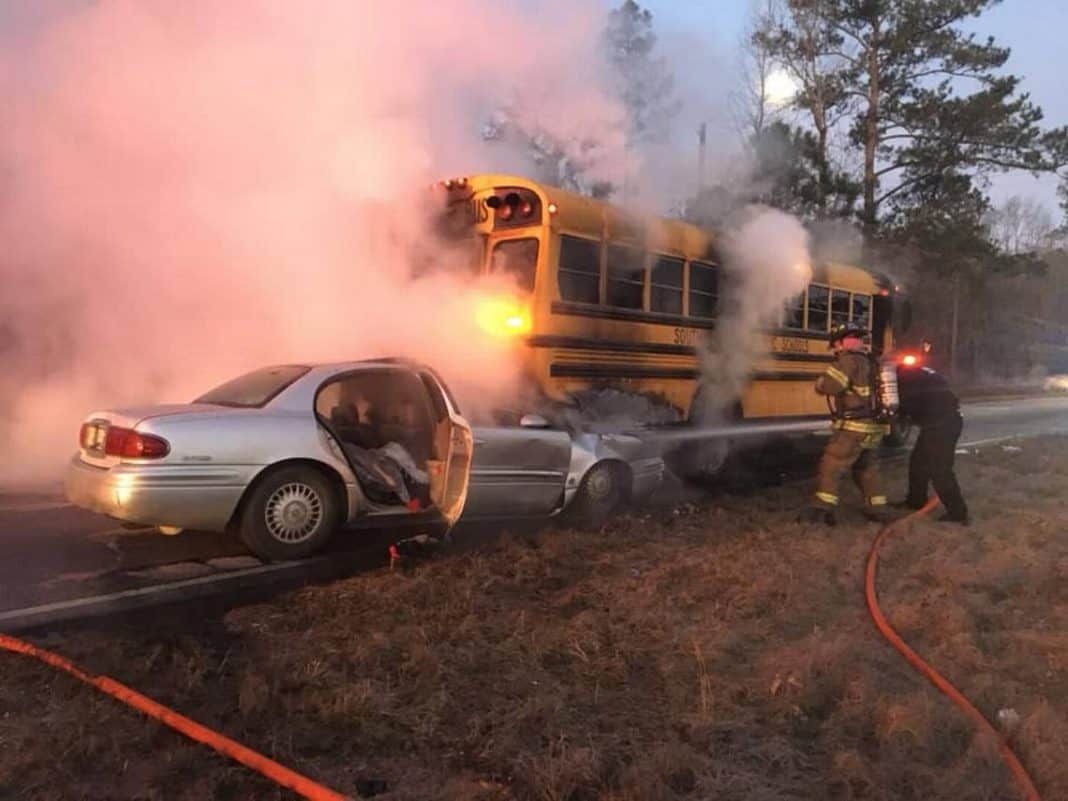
point(518, 259)
point(626, 277)
point(580, 270)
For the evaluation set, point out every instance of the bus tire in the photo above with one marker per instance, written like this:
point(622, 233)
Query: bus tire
point(900, 435)
point(701, 462)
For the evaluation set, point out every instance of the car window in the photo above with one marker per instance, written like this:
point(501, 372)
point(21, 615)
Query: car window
point(255, 389)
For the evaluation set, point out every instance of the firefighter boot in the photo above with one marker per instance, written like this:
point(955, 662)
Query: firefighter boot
point(875, 510)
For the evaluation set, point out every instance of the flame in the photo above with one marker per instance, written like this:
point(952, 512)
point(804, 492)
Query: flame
point(909, 360)
point(503, 317)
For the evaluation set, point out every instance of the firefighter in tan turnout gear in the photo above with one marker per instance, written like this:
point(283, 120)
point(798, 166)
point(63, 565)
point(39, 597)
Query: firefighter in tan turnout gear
point(849, 382)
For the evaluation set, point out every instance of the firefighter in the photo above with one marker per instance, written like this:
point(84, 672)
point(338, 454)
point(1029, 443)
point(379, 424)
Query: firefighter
point(927, 400)
point(849, 383)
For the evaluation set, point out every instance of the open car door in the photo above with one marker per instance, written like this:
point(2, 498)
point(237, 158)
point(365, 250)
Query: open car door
point(450, 471)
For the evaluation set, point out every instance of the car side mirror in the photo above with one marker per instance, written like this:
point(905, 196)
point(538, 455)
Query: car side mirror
point(533, 421)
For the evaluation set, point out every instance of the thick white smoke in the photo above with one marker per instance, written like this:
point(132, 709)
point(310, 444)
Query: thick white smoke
point(767, 262)
point(192, 189)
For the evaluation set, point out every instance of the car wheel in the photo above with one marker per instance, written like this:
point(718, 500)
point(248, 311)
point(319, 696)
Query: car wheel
point(603, 490)
point(291, 513)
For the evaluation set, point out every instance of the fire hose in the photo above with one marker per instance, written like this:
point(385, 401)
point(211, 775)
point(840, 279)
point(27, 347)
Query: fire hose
point(1019, 772)
point(263, 765)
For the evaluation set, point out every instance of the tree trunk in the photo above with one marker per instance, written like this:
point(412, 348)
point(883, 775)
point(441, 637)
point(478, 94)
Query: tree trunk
point(871, 127)
point(819, 117)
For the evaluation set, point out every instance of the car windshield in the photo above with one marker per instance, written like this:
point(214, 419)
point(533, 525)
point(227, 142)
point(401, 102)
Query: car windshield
point(254, 389)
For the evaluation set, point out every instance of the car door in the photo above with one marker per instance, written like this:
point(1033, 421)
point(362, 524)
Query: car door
point(449, 476)
point(517, 471)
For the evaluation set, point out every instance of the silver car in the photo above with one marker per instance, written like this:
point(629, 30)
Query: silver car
point(287, 455)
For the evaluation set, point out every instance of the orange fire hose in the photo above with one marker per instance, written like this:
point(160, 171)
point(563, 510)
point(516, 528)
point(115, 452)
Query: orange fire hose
point(277, 773)
point(914, 659)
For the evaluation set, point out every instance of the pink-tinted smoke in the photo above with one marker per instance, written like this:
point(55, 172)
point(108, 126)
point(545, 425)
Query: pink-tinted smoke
point(192, 189)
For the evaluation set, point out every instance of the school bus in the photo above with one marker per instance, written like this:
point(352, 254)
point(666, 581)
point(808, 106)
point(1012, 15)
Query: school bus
point(606, 298)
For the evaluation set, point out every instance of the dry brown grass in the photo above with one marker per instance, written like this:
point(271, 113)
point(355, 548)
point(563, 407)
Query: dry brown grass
point(716, 651)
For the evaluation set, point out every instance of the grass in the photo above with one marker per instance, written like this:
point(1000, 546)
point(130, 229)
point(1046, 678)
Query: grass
point(709, 650)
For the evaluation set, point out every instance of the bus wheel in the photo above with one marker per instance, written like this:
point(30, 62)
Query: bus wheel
point(603, 491)
point(699, 462)
point(900, 434)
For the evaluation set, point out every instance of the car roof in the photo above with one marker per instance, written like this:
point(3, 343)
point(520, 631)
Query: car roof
point(301, 393)
point(364, 364)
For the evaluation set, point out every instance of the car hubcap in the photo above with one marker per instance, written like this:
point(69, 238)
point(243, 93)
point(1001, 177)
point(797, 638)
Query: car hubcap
point(294, 512)
point(599, 484)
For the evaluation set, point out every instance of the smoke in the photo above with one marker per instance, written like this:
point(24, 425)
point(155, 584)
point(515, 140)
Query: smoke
point(188, 190)
point(767, 262)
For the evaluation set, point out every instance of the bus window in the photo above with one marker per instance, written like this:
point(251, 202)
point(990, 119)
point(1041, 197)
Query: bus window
point(794, 314)
point(839, 307)
point(580, 270)
point(862, 310)
point(665, 293)
point(818, 307)
point(517, 258)
point(704, 289)
point(626, 277)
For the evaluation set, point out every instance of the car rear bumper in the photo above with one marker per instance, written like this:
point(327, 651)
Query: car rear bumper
point(198, 497)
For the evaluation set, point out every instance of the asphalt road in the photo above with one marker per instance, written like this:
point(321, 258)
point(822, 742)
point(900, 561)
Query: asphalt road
point(51, 552)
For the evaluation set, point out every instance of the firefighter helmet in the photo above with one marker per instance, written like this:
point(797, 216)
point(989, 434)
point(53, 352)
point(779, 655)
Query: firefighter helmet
point(848, 329)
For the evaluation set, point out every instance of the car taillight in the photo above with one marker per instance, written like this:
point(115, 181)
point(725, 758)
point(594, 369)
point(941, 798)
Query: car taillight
point(134, 445)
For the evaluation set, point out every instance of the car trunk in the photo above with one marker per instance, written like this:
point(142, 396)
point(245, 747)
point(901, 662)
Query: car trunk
point(95, 427)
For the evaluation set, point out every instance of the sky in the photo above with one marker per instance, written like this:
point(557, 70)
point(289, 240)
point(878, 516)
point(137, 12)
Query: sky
point(1033, 29)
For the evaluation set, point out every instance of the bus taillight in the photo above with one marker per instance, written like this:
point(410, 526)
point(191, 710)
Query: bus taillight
point(503, 317)
point(514, 207)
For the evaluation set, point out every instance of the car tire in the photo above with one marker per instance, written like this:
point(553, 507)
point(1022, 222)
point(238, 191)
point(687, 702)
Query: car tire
point(290, 513)
point(603, 491)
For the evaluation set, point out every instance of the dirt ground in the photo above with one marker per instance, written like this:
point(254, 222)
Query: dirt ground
point(710, 650)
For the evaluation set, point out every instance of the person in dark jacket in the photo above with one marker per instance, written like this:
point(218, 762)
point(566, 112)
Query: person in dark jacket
point(927, 400)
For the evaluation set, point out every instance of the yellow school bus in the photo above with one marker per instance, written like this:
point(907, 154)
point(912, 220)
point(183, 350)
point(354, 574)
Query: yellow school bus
point(605, 298)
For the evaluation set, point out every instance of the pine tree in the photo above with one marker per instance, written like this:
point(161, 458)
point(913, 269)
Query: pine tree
point(644, 81)
point(929, 99)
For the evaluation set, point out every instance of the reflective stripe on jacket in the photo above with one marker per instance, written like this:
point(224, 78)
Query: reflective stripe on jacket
point(848, 382)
